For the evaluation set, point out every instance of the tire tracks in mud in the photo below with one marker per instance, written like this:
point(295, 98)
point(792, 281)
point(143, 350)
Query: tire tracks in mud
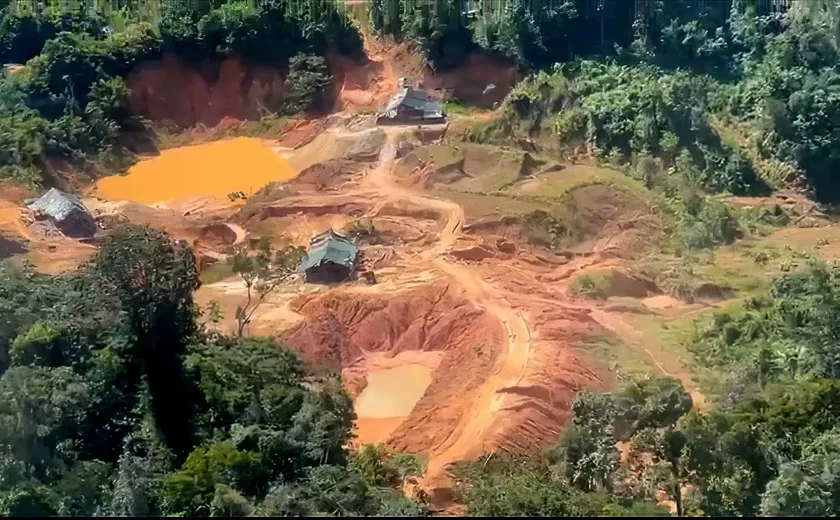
point(467, 439)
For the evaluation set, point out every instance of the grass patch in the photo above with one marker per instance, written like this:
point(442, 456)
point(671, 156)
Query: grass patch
point(457, 107)
point(618, 357)
point(556, 185)
point(268, 128)
point(216, 273)
point(667, 339)
point(596, 286)
point(166, 139)
point(477, 205)
point(744, 283)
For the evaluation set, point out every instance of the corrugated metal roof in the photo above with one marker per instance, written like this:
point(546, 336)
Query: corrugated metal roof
point(335, 250)
point(415, 99)
point(58, 205)
point(328, 234)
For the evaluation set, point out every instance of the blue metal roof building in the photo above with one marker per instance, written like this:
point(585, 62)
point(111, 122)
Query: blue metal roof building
point(331, 258)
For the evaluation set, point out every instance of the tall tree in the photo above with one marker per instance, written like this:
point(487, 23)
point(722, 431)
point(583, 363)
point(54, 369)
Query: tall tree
point(154, 278)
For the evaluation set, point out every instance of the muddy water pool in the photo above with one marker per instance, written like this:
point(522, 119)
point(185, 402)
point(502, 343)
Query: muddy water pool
point(208, 170)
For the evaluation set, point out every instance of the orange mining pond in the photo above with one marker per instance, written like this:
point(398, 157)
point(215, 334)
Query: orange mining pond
point(213, 169)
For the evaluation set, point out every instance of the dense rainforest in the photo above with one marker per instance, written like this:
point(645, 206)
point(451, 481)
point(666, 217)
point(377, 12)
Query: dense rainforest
point(690, 97)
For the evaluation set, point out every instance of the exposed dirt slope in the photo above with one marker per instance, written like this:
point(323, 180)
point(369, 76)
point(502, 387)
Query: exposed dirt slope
point(340, 328)
point(180, 94)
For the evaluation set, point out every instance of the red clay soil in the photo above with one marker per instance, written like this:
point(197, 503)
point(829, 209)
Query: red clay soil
point(314, 207)
point(361, 86)
point(469, 81)
point(334, 172)
point(173, 91)
point(300, 132)
point(15, 194)
point(339, 328)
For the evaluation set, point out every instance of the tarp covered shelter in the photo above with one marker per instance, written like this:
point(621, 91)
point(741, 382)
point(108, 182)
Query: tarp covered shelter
point(331, 258)
point(67, 212)
point(411, 105)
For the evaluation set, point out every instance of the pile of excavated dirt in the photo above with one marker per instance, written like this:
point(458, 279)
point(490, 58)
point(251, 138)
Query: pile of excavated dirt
point(540, 405)
point(210, 170)
point(218, 236)
point(329, 174)
point(620, 282)
point(598, 205)
point(507, 227)
point(359, 146)
point(300, 132)
point(600, 217)
point(470, 168)
point(340, 329)
point(271, 192)
point(362, 87)
point(312, 206)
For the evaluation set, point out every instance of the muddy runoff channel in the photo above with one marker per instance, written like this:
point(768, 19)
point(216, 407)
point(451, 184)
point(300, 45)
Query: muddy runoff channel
point(438, 360)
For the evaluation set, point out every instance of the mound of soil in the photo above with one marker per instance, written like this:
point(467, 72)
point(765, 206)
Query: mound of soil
point(331, 173)
point(361, 146)
point(353, 208)
point(338, 328)
point(467, 167)
point(475, 253)
point(217, 236)
point(269, 193)
point(615, 282)
point(406, 208)
point(605, 218)
point(509, 227)
point(362, 87)
point(555, 376)
point(300, 132)
point(597, 205)
point(712, 291)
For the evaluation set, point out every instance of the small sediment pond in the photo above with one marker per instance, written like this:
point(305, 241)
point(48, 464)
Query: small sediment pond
point(388, 399)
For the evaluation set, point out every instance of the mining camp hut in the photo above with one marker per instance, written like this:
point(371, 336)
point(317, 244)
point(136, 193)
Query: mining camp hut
point(411, 105)
point(331, 258)
point(67, 213)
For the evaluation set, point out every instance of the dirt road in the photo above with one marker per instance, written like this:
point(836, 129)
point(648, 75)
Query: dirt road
point(467, 440)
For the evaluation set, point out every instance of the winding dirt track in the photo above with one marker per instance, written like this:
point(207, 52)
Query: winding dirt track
point(467, 440)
